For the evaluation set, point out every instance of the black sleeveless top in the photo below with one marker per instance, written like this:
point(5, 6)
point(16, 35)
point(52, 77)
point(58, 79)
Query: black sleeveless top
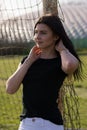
point(41, 85)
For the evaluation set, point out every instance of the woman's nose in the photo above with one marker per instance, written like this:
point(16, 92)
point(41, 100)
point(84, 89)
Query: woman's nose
point(38, 36)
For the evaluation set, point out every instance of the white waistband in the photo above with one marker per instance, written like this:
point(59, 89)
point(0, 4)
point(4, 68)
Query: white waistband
point(39, 122)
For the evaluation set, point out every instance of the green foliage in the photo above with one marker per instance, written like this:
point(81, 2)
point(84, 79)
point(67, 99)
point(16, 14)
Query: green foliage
point(80, 44)
point(16, 48)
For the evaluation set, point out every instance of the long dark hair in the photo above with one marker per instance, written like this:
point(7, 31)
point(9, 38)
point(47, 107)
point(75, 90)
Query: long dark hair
point(55, 24)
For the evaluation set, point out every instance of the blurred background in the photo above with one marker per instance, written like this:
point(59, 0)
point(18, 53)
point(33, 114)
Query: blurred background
point(17, 20)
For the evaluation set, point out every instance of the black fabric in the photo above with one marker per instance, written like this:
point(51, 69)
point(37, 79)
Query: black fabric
point(41, 85)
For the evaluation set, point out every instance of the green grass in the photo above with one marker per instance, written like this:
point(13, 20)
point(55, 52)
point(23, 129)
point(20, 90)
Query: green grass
point(83, 83)
point(10, 108)
point(81, 90)
point(10, 105)
point(82, 94)
point(8, 64)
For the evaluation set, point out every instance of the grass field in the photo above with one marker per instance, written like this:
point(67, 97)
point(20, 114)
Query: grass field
point(81, 89)
point(10, 105)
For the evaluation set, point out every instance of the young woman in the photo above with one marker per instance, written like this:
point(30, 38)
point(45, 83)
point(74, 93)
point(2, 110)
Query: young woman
point(42, 73)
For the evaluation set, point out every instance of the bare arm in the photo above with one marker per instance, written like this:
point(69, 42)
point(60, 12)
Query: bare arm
point(69, 62)
point(14, 81)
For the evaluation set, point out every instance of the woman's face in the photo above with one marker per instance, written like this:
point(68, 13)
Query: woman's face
point(44, 36)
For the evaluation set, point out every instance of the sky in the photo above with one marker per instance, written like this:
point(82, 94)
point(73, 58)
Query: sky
point(17, 7)
point(11, 8)
point(9, 4)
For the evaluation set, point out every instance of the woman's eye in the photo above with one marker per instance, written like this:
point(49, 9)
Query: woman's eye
point(43, 33)
point(35, 32)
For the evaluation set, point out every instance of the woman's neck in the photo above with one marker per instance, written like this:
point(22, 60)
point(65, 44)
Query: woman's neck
point(48, 54)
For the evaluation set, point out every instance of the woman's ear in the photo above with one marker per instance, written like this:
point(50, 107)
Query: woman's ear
point(56, 38)
point(57, 41)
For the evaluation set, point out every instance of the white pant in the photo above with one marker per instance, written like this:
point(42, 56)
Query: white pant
point(38, 124)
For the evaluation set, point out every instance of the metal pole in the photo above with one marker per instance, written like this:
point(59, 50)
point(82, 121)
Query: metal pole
point(50, 6)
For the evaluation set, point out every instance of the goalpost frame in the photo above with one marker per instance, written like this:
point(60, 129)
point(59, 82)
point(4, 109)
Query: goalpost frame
point(50, 6)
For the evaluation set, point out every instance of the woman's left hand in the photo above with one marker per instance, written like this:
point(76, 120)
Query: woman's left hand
point(60, 46)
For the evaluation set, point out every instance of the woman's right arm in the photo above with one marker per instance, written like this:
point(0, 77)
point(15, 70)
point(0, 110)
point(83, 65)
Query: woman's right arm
point(14, 81)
